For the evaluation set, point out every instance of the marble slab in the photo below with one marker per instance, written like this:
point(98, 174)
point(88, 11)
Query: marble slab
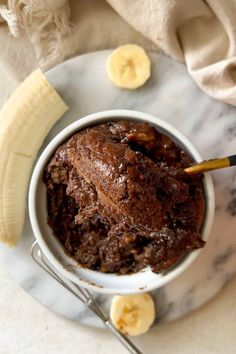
point(171, 95)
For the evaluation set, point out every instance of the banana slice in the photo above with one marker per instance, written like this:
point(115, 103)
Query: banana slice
point(132, 314)
point(129, 66)
point(25, 120)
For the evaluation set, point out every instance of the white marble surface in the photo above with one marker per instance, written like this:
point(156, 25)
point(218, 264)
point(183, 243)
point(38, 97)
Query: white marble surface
point(171, 95)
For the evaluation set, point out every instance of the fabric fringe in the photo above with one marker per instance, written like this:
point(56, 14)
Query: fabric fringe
point(45, 23)
point(11, 20)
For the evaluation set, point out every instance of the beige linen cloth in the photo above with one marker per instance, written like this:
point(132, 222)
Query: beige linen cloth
point(201, 33)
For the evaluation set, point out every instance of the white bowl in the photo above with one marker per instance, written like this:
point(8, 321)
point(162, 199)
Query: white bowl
point(143, 281)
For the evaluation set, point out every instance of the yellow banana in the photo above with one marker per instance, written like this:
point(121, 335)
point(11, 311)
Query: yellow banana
point(132, 314)
point(25, 120)
point(128, 66)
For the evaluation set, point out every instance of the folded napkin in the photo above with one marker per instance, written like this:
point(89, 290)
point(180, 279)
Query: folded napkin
point(200, 32)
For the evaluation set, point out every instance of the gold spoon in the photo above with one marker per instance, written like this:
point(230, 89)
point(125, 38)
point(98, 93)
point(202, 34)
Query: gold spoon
point(204, 166)
point(210, 165)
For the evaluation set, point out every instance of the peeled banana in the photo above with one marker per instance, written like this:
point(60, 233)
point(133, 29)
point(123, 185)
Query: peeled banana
point(128, 66)
point(25, 120)
point(132, 314)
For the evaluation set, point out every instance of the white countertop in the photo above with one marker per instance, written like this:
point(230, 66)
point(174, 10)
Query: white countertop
point(26, 327)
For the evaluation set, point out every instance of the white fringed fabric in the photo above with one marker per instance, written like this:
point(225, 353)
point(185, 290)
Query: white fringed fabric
point(11, 19)
point(45, 22)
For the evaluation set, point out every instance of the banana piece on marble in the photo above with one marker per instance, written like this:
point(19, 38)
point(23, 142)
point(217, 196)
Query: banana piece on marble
point(129, 66)
point(25, 120)
point(132, 314)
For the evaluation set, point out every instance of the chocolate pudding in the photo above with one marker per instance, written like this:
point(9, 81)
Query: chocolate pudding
point(119, 200)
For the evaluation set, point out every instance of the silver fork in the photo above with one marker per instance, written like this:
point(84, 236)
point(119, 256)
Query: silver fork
point(83, 295)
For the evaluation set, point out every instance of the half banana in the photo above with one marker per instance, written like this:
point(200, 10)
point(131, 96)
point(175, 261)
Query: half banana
point(132, 314)
point(25, 120)
point(129, 66)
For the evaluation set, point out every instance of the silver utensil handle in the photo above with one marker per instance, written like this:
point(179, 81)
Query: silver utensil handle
point(37, 256)
point(123, 339)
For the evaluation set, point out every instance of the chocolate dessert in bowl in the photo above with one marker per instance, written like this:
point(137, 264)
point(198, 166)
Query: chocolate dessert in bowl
point(111, 206)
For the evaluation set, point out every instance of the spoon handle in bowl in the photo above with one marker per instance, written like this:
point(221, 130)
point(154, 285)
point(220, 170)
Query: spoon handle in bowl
point(210, 165)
